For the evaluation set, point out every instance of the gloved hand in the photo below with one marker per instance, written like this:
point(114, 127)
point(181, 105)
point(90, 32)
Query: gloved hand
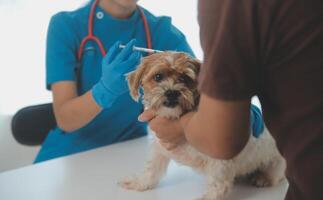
point(115, 65)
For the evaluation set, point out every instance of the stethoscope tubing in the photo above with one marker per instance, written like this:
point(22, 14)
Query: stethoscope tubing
point(91, 37)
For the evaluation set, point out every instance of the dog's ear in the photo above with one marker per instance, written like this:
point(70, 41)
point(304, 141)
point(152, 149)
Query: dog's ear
point(197, 65)
point(134, 81)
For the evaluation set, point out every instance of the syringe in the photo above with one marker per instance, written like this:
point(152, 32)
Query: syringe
point(142, 49)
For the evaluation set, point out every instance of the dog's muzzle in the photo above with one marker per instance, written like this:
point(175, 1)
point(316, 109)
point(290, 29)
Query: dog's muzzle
point(171, 98)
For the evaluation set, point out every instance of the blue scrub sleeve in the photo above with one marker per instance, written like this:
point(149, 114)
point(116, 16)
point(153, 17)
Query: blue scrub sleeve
point(168, 37)
point(61, 50)
point(256, 121)
point(183, 46)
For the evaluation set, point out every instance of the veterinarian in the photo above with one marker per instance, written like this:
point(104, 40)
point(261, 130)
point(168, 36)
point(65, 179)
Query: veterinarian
point(272, 49)
point(94, 108)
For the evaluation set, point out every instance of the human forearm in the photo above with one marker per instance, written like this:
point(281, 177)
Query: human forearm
point(72, 111)
point(220, 131)
point(77, 112)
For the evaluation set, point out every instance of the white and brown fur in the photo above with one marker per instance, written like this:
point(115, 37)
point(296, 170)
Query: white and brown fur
point(178, 73)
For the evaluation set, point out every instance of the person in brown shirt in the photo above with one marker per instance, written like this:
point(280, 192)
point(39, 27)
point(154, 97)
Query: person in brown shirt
point(272, 49)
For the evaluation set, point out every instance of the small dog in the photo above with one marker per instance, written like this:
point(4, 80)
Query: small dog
point(169, 83)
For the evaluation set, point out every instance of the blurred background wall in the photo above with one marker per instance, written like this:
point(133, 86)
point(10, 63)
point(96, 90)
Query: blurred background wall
point(23, 27)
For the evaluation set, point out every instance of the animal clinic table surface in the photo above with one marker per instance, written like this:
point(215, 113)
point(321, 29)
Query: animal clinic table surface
point(94, 175)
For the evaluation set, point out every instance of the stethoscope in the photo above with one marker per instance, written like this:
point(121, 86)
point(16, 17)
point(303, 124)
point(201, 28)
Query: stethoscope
point(91, 37)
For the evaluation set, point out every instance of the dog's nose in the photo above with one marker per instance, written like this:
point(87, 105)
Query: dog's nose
point(172, 94)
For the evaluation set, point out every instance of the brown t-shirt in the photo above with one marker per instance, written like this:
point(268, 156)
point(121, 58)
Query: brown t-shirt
point(272, 49)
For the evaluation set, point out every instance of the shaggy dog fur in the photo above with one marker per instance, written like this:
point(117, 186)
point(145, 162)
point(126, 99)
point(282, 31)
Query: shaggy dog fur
point(169, 82)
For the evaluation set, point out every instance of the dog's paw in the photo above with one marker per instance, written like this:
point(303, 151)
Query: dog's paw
point(135, 183)
point(213, 195)
point(260, 179)
point(206, 197)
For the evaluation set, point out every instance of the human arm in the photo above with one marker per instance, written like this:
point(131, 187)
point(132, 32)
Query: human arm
point(219, 128)
point(73, 112)
point(229, 77)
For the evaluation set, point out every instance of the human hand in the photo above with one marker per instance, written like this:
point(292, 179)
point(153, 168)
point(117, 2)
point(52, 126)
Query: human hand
point(169, 132)
point(115, 65)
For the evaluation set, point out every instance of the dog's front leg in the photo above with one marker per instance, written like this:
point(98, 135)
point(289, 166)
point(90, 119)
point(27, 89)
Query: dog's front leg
point(220, 175)
point(155, 168)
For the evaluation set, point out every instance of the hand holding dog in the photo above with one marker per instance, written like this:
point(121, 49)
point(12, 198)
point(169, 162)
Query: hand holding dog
point(169, 132)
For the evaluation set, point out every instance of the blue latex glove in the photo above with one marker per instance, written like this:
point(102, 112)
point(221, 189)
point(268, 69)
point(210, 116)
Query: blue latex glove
point(115, 65)
point(256, 121)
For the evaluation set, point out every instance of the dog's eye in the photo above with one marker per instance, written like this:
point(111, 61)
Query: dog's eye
point(185, 79)
point(158, 77)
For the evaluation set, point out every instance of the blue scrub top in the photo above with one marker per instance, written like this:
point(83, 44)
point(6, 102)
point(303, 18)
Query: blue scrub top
point(115, 124)
point(256, 121)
